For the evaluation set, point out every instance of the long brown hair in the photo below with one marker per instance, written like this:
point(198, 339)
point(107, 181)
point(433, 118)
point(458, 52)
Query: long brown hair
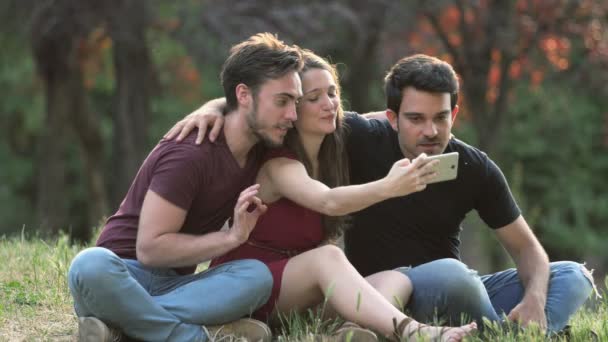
point(333, 160)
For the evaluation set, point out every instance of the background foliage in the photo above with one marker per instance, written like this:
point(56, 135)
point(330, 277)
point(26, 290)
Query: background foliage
point(90, 87)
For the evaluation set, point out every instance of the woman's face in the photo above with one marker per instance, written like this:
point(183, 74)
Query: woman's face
point(318, 107)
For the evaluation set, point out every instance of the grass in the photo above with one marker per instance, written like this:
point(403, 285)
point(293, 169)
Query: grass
point(35, 304)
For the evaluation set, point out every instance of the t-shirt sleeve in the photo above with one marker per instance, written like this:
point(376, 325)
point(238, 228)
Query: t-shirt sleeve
point(496, 205)
point(357, 125)
point(177, 176)
point(280, 152)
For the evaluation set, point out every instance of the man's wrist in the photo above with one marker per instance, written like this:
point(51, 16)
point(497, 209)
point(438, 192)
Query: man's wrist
point(538, 297)
point(233, 240)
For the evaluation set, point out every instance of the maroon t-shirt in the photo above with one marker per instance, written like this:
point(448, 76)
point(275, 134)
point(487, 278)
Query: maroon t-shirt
point(203, 179)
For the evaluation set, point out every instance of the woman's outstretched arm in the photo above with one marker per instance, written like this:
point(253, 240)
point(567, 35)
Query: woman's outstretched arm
point(288, 178)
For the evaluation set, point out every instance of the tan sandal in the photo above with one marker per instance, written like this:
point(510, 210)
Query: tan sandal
point(400, 330)
point(350, 331)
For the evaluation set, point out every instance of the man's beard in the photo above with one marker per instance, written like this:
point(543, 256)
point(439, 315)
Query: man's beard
point(254, 126)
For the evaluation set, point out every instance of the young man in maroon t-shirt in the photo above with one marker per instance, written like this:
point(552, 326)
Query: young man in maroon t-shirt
point(140, 278)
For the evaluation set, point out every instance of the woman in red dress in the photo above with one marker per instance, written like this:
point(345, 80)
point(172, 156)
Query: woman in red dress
point(304, 187)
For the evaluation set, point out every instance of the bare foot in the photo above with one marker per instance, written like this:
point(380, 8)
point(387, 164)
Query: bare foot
point(414, 331)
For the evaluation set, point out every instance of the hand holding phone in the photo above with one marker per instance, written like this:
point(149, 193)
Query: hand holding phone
point(447, 168)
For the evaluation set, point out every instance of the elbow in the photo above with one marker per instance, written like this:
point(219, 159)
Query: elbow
point(331, 208)
point(145, 255)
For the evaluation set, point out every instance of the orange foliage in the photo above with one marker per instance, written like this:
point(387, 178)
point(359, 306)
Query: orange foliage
point(186, 80)
point(536, 77)
point(515, 70)
point(450, 18)
point(557, 51)
point(91, 51)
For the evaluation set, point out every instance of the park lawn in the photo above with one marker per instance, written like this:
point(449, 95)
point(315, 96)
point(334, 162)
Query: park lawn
point(35, 303)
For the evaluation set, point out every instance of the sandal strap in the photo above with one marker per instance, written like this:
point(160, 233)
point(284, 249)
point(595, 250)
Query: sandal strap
point(400, 328)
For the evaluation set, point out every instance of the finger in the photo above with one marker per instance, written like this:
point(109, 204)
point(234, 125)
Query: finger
point(420, 161)
point(186, 129)
point(251, 187)
point(173, 131)
point(261, 209)
point(429, 164)
point(427, 177)
point(248, 193)
point(215, 130)
point(246, 196)
point(256, 200)
point(513, 316)
point(404, 162)
point(201, 132)
point(242, 209)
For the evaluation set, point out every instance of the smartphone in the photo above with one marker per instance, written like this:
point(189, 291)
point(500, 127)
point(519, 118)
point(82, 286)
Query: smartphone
point(447, 168)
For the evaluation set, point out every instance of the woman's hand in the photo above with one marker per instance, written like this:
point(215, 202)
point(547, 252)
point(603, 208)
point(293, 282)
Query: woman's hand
point(208, 115)
point(406, 177)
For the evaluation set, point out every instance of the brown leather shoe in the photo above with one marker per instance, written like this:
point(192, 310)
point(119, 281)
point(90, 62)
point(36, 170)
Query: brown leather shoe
point(91, 329)
point(249, 328)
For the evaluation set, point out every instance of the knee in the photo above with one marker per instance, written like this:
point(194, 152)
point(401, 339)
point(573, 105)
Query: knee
point(459, 279)
point(91, 266)
point(574, 276)
point(255, 273)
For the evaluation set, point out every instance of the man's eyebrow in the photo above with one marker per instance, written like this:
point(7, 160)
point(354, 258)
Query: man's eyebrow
point(291, 96)
point(446, 111)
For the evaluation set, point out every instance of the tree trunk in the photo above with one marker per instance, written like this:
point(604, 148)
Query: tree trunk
point(58, 32)
point(133, 70)
point(87, 128)
point(52, 206)
point(364, 64)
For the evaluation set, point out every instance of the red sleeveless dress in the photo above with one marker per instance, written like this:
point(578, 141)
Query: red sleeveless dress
point(285, 230)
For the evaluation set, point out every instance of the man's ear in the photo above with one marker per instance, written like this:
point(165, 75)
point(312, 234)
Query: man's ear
point(455, 113)
point(392, 118)
point(243, 95)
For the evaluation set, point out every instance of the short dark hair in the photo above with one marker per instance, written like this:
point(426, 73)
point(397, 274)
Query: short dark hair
point(252, 62)
point(423, 73)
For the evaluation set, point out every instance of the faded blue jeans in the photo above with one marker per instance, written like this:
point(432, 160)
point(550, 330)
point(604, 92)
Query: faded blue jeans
point(448, 290)
point(157, 304)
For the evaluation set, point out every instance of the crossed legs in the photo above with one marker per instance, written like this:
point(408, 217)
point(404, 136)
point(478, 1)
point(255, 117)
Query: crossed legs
point(312, 275)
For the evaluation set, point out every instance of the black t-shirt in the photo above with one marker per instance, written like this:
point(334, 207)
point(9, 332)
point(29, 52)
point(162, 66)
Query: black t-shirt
point(424, 226)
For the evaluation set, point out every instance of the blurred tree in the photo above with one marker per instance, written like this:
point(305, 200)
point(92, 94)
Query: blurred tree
point(356, 29)
point(59, 34)
point(494, 43)
point(20, 116)
point(68, 38)
point(491, 43)
point(127, 22)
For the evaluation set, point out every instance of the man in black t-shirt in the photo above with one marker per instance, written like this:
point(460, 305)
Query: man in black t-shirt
point(418, 234)
point(421, 231)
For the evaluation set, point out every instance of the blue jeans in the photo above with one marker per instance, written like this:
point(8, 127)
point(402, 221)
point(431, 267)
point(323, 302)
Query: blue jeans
point(157, 304)
point(448, 290)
